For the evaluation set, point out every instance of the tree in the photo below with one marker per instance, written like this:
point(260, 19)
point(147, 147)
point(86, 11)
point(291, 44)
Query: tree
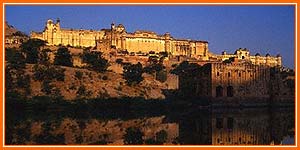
point(78, 75)
point(153, 60)
point(119, 61)
point(63, 57)
point(31, 49)
point(19, 33)
point(132, 73)
point(95, 61)
point(154, 68)
point(161, 75)
point(48, 72)
point(133, 136)
point(16, 60)
point(188, 68)
point(161, 136)
point(163, 54)
point(15, 71)
point(44, 57)
point(9, 53)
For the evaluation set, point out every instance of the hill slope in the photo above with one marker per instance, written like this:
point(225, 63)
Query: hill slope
point(98, 85)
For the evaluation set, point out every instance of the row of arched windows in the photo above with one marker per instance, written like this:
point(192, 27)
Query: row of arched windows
point(219, 91)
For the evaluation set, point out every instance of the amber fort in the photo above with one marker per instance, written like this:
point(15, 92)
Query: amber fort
point(141, 41)
point(237, 74)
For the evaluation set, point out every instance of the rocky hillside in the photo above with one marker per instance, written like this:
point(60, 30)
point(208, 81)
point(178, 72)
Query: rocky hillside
point(83, 83)
point(12, 31)
point(9, 29)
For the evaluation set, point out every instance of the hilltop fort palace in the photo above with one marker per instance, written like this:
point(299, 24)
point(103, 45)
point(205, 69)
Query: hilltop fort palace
point(142, 42)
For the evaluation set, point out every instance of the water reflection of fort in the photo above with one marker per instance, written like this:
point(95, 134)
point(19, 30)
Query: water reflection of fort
point(187, 126)
point(251, 126)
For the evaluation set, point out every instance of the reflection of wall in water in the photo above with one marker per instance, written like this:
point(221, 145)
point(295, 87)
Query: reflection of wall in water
point(283, 119)
point(251, 126)
point(240, 127)
point(195, 128)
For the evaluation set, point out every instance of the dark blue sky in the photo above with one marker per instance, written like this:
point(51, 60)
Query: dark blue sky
point(262, 29)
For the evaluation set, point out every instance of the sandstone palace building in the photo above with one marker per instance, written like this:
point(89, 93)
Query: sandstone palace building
point(117, 37)
point(142, 42)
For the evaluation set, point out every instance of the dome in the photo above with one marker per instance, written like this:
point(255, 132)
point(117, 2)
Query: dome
point(49, 21)
point(120, 26)
point(257, 54)
point(268, 55)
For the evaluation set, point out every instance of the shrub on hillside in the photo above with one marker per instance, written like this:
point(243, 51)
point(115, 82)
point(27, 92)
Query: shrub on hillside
point(133, 136)
point(161, 75)
point(95, 61)
point(63, 57)
point(31, 49)
point(119, 61)
point(133, 73)
point(44, 72)
point(47, 87)
point(44, 57)
point(15, 59)
point(78, 75)
point(161, 136)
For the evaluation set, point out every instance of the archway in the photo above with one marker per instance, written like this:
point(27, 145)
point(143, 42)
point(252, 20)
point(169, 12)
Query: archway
point(219, 91)
point(229, 91)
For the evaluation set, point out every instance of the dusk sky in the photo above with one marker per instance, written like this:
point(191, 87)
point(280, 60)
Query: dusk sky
point(261, 29)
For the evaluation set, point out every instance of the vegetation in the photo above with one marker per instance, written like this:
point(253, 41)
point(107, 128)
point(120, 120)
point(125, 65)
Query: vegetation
point(161, 136)
point(153, 68)
point(19, 33)
point(119, 61)
point(95, 61)
point(161, 75)
point(132, 73)
point(31, 50)
point(133, 136)
point(15, 58)
point(163, 54)
point(44, 57)
point(78, 75)
point(47, 137)
point(50, 72)
point(158, 70)
point(63, 57)
point(186, 68)
point(81, 91)
point(46, 74)
point(15, 76)
point(47, 87)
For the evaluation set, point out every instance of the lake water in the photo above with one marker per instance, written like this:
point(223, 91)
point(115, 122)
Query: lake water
point(188, 125)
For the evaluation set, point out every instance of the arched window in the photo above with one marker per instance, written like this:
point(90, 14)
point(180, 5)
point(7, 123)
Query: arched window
point(229, 91)
point(219, 123)
point(230, 123)
point(219, 91)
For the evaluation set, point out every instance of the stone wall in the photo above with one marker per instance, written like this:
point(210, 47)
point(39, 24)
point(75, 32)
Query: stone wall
point(240, 80)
